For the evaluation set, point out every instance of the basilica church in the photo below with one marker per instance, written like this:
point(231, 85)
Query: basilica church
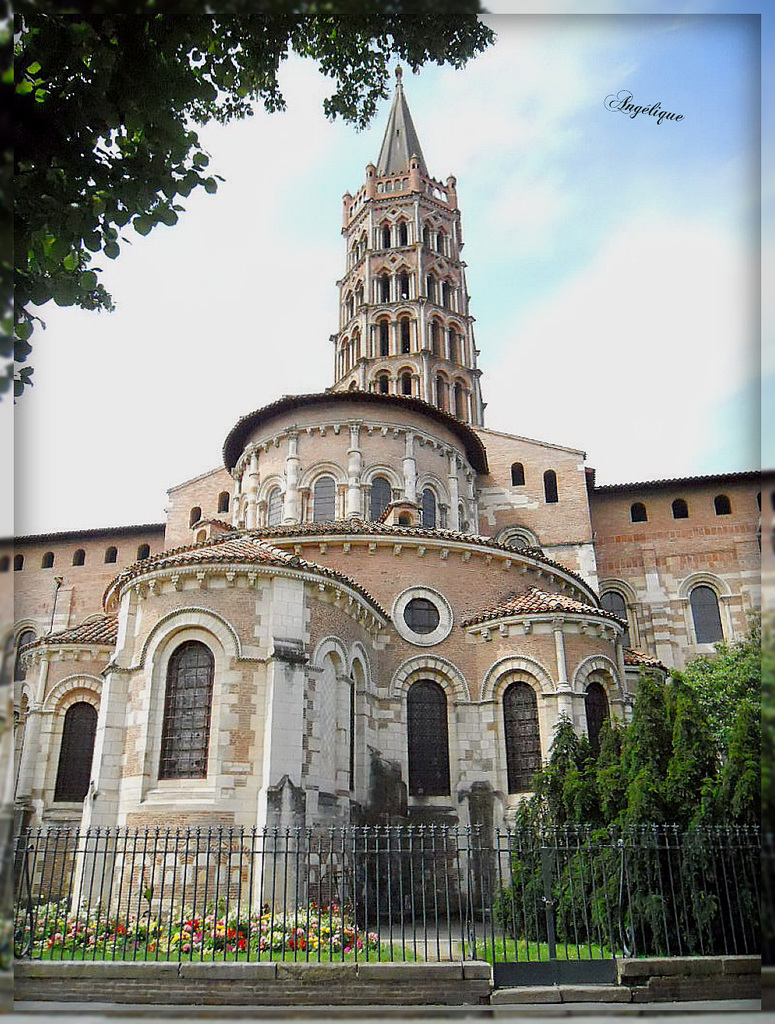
point(376, 609)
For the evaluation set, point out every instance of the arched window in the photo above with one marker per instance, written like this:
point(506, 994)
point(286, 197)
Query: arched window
point(403, 286)
point(638, 513)
point(143, 552)
point(523, 738)
point(722, 505)
point(25, 637)
point(680, 509)
point(76, 752)
point(111, 555)
point(223, 501)
point(446, 295)
point(428, 739)
point(324, 500)
point(405, 336)
point(79, 557)
point(706, 615)
point(426, 235)
point(550, 487)
point(403, 239)
point(385, 237)
point(384, 338)
point(18, 563)
point(429, 509)
point(383, 384)
point(430, 287)
point(435, 337)
point(274, 507)
point(441, 393)
point(596, 710)
point(459, 409)
point(614, 602)
point(452, 346)
point(440, 242)
point(201, 537)
point(381, 496)
point(47, 561)
point(384, 288)
point(406, 383)
point(194, 515)
point(5, 563)
point(517, 474)
point(185, 737)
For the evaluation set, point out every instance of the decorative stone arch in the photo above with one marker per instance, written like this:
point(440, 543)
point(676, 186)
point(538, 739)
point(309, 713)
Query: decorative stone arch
point(707, 579)
point(614, 583)
point(269, 484)
point(434, 483)
point(202, 620)
point(505, 670)
point(72, 689)
point(359, 656)
point(323, 469)
point(517, 533)
point(330, 645)
point(604, 670)
point(724, 595)
point(380, 469)
point(429, 666)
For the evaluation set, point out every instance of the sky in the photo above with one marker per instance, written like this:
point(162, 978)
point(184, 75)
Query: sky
point(612, 263)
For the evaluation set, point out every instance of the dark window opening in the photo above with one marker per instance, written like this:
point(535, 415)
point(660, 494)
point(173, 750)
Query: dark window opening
point(381, 496)
point(386, 236)
point(430, 287)
point(452, 346)
point(76, 753)
point(435, 337)
point(446, 295)
point(429, 508)
point(186, 731)
point(722, 505)
point(384, 338)
point(405, 337)
point(613, 602)
point(194, 515)
point(111, 555)
point(517, 474)
point(596, 710)
point(550, 487)
point(324, 500)
point(274, 507)
point(384, 286)
point(18, 563)
point(143, 552)
point(638, 513)
point(441, 393)
point(459, 402)
point(403, 239)
point(523, 737)
point(79, 557)
point(428, 739)
point(223, 501)
point(403, 286)
point(25, 637)
point(47, 561)
point(421, 615)
point(706, 615)
point(406, 383)
point(680, 509)
point(384, 384)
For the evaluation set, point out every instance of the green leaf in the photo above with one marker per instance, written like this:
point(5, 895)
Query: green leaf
point(111, 250)
point(167, 216)
point(200, 160)
point(92, 241)
point(142, 224)
point(21, 350)
point(23, 330)
point(88, 280)
point(211, 185)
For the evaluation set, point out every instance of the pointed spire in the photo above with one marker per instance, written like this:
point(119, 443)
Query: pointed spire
point(400, 141)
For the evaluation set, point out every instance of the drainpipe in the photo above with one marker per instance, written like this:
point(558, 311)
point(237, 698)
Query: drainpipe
point(58, 580)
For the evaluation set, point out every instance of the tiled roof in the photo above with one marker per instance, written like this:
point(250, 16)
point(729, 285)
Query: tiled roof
point(633, 657)
point(239, 550)
point(675, 482)
point(101, 531)
point(101, 630)
point(356, 527)
point(535, 600)
point(238, 435)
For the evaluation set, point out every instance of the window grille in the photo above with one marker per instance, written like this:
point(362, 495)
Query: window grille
point(428, 508)
point(324, 500)
point(613, 601)
point(428, 740)
point(76, 752)
point(186, 729)
point(275, 507)
point(523, 738)
point(421, 615)
point(596, 710)
point(381, 495)
point(706, 615)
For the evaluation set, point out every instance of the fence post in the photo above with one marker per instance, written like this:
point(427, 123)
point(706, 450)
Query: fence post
point(548, 898)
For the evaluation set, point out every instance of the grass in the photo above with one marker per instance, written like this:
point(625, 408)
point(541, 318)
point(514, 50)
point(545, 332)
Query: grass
point(522, 951)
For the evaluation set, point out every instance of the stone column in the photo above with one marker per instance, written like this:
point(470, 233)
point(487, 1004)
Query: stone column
point(410, 469)
point(564, 692)
point(32, 731)
point(251, 514)
point(354, 469)
point(292, 504)
point(235, 502)
point(454, 494)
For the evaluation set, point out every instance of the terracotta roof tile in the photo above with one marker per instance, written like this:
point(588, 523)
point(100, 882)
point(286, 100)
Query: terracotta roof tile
point(535, 600)
point(633, 657)
point(101, 630)
point(243, 549)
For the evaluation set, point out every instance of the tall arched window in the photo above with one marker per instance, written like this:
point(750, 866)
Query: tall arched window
point(385, 236)
point(383, 384)
point(446, 295)
point(430, 287)
point(440, 237)
point(405, 336)
point(25, 637)
point(403, 286)
point(722, 505)
point(185, 737)
point(452, 345)
point(76, 752)
point(517, 474)
point(18, 563)
point(638, 513)
point(111, 555)
point(194, 515)
point(381, 496)
point(324, 500)
point(523, 737)
point(384, 288)
point(596, 711)
point(384, 338)
point(429, 509)
point(223, 501)
point(459, 403)
point(614, 602)
point(426, 235)
point(550, 487)
point(47, 561)
point(441, 393)
point(428, 739)
point(406, 383)
point(143, 552)
point(435, 337)
point(274, 507)
point(79, 557)
point(680, 509)
point(706, 615)
point(403, 239)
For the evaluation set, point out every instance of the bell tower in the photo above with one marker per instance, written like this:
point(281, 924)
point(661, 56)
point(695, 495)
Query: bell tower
point(404, 324)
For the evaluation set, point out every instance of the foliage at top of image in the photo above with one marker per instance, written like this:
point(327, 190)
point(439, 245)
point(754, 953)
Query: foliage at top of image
point(691, 755)
point(108, 98)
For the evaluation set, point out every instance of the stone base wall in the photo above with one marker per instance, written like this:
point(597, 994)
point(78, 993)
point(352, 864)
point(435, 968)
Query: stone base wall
point(685, 978)
point(259, 984)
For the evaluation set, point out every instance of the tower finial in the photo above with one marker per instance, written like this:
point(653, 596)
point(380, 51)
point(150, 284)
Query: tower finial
point(399, 74)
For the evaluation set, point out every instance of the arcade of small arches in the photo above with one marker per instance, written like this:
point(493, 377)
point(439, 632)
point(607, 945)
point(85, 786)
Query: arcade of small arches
point(398, 233)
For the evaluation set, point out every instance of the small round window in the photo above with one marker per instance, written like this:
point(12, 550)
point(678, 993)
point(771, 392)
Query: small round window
point(421, 615)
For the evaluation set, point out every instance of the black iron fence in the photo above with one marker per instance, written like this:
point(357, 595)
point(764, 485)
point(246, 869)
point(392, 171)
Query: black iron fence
point(386, 893)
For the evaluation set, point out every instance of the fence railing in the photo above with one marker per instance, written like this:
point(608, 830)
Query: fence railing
point(386, 893)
